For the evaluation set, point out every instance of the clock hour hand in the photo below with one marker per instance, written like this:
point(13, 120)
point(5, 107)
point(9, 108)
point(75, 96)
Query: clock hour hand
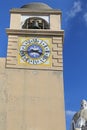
point(36, 51)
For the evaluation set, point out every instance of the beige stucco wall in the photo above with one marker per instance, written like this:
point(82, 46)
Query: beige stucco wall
point(15, 21)
point(55, 22)
point(31, 99)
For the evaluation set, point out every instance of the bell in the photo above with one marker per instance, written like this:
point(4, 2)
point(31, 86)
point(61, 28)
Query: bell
point(35, 25)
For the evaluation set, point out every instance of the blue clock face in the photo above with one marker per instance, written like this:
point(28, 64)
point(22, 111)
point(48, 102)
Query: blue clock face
point(34, 51)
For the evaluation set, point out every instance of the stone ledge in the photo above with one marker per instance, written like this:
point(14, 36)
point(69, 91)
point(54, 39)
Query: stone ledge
point(33, 11)
point(36, 32)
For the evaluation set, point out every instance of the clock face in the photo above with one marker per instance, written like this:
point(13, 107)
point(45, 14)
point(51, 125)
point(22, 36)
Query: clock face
point(34, 51)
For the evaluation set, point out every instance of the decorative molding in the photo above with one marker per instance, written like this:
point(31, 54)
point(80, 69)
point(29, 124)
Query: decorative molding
point(35, 32)
point(23, 11)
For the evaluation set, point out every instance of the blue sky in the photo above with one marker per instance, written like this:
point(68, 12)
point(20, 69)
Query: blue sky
point(74, 22)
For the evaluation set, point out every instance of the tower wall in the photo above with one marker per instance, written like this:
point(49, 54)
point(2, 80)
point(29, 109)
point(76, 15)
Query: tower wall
point(31, 99)
point(31, 88)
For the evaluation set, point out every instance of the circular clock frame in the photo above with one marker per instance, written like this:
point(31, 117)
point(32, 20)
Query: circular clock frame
point(34, 51)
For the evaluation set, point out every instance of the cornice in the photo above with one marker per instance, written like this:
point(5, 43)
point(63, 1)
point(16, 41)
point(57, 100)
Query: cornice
point(27, 32)
point(34, 31)
point(23, 11)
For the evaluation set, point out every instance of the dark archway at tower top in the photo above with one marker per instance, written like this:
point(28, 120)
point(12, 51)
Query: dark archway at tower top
point(35, 23)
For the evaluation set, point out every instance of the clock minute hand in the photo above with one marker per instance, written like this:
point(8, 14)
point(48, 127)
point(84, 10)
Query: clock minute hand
point(39, 52)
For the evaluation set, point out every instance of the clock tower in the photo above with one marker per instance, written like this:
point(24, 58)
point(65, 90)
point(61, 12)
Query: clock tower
point(34, 70)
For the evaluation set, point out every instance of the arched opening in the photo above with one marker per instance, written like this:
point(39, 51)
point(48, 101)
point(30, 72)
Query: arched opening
point(35, 23)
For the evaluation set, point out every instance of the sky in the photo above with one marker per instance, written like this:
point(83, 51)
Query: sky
point(74, 23)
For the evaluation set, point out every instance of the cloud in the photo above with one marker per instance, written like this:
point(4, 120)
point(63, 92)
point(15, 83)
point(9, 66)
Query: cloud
point(85, 17)
point(75, 9)
point(70, 113)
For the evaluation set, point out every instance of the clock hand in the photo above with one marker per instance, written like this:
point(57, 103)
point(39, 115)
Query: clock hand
point(31, 51)
point(36, 51)
point(39, 52)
